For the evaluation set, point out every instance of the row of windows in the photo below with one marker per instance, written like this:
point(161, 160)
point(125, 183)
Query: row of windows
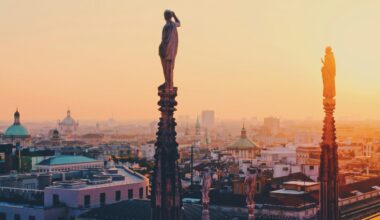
point(3, 216)
point(87, 198)
point(102, 197)
point(71, 168)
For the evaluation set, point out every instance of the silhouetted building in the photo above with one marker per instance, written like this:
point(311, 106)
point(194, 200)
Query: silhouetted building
point(272, 124)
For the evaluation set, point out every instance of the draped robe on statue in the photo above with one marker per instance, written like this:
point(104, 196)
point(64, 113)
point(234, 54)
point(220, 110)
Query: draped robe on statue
point(168, 50)
point(328, 74)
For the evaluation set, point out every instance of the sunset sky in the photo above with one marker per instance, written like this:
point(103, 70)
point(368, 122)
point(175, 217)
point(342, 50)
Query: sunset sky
point(239, 58)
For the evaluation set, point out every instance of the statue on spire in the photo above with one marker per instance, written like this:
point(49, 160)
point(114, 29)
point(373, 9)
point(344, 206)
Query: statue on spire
point(328, 74)
point(168, 47)
point(329, 167)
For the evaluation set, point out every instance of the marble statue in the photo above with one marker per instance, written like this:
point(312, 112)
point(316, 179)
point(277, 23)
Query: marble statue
point(206, 188)
point(168, 47)
point(205, 198)
point(250, 188)
point(328, 74)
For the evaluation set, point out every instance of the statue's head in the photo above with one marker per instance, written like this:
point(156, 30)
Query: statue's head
point(328, 49)
point(168, 15)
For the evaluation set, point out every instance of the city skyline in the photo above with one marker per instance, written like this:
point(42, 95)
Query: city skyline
point(95, 59)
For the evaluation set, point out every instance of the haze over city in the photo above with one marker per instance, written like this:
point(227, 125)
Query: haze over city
point(201, 110)
point(100, 58)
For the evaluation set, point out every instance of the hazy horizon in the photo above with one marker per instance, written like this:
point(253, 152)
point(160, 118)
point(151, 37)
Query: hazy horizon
point(247, 59)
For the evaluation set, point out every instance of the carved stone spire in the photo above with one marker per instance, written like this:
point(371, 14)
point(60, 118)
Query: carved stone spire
point(328, 169)
point(166, 183)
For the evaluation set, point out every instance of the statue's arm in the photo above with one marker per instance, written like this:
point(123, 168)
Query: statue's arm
point(176, 20)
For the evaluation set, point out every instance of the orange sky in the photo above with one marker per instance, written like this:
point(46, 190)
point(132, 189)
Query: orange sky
point(240, 58)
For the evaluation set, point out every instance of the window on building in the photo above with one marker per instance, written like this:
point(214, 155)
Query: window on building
point(17, 217)
point(285, 169)
point(30, 186)
point(87, 201)
point(32, 217)
point(141, 192)
point(130, 193)
point(311, 167)
point(102, 198)
point(146, 191)
point(55, 200)
point(117, 195)
point(3, 216)
point(2, 156)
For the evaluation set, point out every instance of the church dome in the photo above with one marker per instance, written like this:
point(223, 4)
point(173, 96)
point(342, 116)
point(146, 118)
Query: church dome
point(68, 120)
point(243, 142)
point(17, 129)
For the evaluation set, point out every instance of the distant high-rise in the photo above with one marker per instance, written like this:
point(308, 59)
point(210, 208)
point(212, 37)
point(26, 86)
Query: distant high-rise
point(197, 128)
point(272, 124)
point(208, 118)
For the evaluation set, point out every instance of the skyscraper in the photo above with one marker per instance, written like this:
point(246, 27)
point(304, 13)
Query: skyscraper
point(208, 118)
point(272, 124)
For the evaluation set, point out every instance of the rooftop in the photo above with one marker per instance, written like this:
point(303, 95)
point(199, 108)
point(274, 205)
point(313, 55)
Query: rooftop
point(130, 177)
point(364, 186)
point(287, 191)
point(66, 159)
point(301, 183)
point(292, 177)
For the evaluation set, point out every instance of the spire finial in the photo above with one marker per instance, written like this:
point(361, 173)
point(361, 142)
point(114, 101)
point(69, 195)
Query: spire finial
point(17, 117)
point(243, 132)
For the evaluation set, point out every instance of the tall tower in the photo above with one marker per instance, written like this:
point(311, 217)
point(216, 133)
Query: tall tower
point(166, 184)
point(197, 127)
point(328, 173)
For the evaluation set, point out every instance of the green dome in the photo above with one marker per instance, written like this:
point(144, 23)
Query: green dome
point(243, 142)
point(16, 130)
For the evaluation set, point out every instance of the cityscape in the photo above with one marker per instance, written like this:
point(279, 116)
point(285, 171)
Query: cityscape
point(209, 111)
